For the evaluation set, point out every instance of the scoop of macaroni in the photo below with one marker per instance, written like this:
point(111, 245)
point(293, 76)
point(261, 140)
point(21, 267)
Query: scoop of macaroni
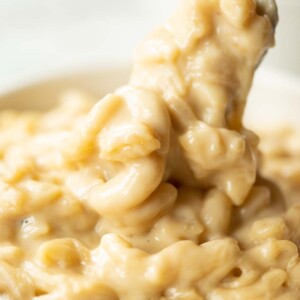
point(153, 192)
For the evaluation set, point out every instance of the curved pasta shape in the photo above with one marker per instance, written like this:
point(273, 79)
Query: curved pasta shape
point(153, 193)
point(143, 166)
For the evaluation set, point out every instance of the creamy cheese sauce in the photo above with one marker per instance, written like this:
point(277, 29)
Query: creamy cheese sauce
point(153, 192)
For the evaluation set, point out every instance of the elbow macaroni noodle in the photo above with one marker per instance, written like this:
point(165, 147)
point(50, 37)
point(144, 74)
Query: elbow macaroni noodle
point(153, 192)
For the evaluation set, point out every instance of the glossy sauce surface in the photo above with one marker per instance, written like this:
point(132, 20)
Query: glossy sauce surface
point(153, 192)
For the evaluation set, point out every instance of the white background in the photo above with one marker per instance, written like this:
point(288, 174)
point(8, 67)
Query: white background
point(43, 37)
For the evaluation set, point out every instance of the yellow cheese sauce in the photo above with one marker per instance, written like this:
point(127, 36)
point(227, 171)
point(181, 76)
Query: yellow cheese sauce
point(153, 193)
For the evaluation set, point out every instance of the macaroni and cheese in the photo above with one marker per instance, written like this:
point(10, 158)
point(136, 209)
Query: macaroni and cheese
point(153, 192)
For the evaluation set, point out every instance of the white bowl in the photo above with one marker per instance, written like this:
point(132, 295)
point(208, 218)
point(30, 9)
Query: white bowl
point(49, 38)
point(44, 94)
point(273, 100)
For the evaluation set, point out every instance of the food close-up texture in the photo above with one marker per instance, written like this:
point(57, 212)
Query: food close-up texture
point(155, 192)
